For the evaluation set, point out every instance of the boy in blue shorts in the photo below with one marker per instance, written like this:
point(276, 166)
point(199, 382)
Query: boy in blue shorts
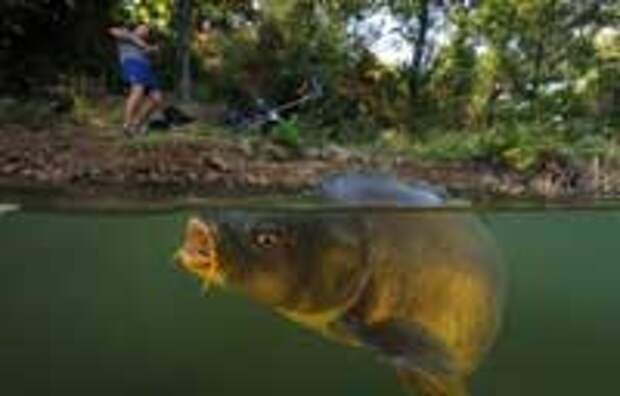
point(144, 96)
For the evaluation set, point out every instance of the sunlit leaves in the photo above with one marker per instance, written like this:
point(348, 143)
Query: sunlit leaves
point(157, 12)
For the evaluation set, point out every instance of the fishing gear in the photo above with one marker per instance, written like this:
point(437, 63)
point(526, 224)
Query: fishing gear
point(263, 115)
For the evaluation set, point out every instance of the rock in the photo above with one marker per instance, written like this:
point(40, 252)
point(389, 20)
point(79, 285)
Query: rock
point(56, 174)
point(510, 188)
point(41, 176)
point(216, 162)
point(336, 153)
point(192, 177)
point(311, 153)
point(26, 173)
point(245, 146)
point(276, 152)
point(256, 180)
point(545, 185)
point(10, 169)
point(488, 181)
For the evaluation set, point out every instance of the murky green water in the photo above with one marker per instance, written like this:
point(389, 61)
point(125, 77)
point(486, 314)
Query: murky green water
point(89, 304)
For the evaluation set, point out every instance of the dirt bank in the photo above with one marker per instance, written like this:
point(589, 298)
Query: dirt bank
point(79, 161)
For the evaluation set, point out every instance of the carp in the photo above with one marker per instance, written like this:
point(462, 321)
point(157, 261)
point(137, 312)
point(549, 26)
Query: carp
point(423, 288)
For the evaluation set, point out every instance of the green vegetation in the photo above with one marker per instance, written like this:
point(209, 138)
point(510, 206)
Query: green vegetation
point(520, 147)
point(508, 81)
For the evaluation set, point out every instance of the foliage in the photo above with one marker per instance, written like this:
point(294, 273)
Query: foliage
point(154, 12)
point(520, 147)
point(40, 41)
point(287, 133)
point(534, 75)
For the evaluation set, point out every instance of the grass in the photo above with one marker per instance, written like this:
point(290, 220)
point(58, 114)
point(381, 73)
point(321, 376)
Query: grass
point(450, 146)
point(519, 146)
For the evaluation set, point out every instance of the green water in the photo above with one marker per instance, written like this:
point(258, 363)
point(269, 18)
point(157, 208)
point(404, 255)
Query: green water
point(89, 304)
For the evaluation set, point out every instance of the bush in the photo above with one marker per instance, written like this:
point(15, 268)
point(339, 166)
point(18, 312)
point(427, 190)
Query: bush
point(518, 146)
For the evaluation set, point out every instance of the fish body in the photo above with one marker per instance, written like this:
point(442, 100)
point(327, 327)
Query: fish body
point(424, 289)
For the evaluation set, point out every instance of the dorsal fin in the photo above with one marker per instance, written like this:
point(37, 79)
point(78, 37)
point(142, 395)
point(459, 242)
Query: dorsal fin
point(374, 188)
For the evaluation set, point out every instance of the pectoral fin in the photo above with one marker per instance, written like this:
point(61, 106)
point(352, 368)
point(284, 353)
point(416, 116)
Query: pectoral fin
point(404, 345)
point(423, 363)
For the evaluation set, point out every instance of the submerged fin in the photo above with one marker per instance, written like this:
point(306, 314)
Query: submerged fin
point(420, 383)
point(425, 366)
point(406, 346)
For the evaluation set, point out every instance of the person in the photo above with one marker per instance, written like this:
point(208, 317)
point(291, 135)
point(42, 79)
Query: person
point(145, 95)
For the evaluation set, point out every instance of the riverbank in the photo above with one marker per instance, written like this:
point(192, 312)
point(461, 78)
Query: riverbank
point(85, 161)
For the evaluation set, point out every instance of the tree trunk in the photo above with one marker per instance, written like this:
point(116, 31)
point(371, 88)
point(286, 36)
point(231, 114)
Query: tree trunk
point(420, 45)
point(91, 44)
point(183, 34)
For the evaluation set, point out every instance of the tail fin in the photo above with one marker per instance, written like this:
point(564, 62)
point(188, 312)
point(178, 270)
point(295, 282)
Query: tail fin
point(420, 383)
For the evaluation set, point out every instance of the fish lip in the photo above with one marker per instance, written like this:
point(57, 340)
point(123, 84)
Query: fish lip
point(198, 254)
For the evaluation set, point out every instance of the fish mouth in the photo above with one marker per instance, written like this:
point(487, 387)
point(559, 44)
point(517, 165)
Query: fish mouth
point(198, 254)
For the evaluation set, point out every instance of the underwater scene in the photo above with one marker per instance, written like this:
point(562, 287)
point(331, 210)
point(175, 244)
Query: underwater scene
point(509, 302)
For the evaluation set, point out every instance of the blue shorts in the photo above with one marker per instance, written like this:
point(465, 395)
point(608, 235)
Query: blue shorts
point(139, 72)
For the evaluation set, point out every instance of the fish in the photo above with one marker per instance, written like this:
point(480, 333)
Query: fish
point(423, 289)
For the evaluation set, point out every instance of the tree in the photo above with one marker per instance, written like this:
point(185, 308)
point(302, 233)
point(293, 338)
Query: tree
point(40, 41)
point(183, 22)
point(538, 45)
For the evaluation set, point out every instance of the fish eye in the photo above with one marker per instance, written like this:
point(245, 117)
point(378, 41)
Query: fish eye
point(267, 238)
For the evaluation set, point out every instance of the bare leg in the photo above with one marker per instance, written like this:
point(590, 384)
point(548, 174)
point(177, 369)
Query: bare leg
point(136, 93)
point(154, 102)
